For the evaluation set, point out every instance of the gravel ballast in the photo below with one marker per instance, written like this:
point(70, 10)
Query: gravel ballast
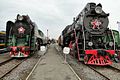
point(21, 72)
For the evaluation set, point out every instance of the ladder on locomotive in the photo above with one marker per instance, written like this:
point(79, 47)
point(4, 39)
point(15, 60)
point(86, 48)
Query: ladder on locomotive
point(79, 41)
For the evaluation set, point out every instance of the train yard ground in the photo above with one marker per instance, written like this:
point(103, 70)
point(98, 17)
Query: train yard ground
point(50, 65)
point(89, 72)
point(4, 57)
point(17, 68)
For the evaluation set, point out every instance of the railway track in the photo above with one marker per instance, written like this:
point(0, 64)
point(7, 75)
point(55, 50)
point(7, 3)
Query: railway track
point(34, 67)
point(114, 68)
point(7, 66)
point(108, 72)
point(67, 63)
point(3, 62)
point(27, 78)
point(99, 72)
point(71, 65)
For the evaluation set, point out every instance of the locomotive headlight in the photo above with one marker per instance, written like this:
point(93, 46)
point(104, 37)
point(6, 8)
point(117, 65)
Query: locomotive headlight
point(90, 43)
point(98, 9)
point(115, 55)
point(111, 44)
point(20, 18)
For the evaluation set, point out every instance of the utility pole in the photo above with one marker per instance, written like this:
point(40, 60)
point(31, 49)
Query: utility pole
point(47, 35)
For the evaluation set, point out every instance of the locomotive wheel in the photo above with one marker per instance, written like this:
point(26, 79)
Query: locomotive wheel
point(74, 51)
point(85, 59)
point(36, 46)
point(115, 57)
point(116, 60)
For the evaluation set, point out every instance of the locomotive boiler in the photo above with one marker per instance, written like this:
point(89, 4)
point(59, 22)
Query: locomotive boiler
point(90, 38)
point(23, 37)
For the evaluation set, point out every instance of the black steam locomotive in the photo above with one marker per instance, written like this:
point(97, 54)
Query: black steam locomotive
point(23, 37)
point(89, 37)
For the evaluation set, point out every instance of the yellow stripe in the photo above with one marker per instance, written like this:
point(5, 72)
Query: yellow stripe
point(2, 32)
point(2, 44)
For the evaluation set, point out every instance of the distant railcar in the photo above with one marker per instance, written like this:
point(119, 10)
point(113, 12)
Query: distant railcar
point(2, 39)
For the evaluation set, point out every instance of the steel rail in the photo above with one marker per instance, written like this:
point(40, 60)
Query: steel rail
point(98, 72)
point(13, 67)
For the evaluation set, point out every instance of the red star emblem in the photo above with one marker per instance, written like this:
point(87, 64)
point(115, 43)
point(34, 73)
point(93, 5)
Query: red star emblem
point(96, 24)
point(21, 30)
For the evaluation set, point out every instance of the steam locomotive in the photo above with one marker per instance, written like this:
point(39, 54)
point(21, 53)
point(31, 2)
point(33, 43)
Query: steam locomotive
point(23, 37)
point(89, 37)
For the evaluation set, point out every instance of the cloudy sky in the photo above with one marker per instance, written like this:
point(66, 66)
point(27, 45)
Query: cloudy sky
point(54, 15)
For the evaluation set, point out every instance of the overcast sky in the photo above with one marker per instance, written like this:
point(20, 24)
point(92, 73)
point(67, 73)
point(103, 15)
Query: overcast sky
point(54, 15)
